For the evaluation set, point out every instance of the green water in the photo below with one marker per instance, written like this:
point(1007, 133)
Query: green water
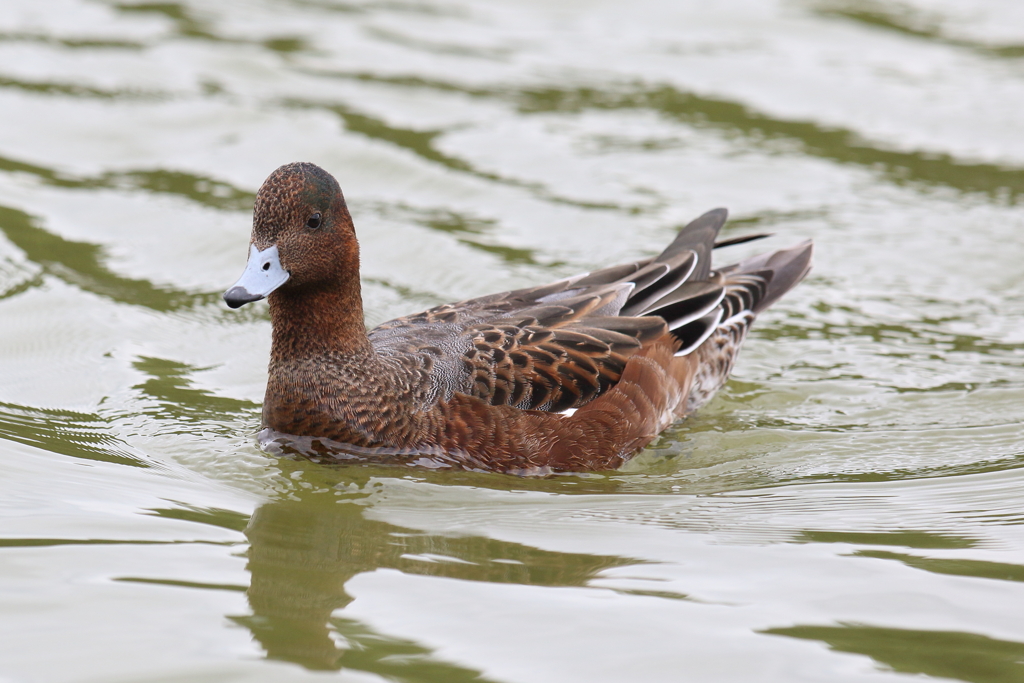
point(850, 508)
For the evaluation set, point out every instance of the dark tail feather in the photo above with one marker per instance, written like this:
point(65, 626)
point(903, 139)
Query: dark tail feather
point(699, 237)
point(787, 267)
point(742, 239)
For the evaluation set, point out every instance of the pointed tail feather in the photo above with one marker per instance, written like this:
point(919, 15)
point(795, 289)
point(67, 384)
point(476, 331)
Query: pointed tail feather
point(784, 269)
point(699, 237)
point(743, 239)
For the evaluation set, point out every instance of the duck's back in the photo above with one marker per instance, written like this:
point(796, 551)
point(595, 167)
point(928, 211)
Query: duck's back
point(558, 346)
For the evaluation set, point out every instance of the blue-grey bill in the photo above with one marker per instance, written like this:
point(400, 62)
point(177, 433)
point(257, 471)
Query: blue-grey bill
point(263, 274)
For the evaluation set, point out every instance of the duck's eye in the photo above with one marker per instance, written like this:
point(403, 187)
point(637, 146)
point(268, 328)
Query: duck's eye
point(314, 221)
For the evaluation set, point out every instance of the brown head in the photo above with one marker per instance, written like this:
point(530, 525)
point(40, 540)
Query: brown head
point(302, 236)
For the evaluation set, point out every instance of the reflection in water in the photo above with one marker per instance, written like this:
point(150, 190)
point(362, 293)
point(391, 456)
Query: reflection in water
point(904, 19)
point(204, 191)
point(943, 654)
point(835, 144)
point(304, 550)
point(423, 144)
point(186, 23)
point(906, 539)
point(734, 118)
point(980, 569)
point(66, 89)
point(169, 395)
point(189, 24)
point(462, 226)
point(80, 435)
point(80, 264)
point(217, 517)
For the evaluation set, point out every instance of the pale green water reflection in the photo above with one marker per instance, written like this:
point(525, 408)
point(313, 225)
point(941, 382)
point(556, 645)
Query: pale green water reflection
point(848, 509)
point(302, 552)
point(958, 656)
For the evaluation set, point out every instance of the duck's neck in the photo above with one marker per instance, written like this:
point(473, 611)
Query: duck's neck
point(317, 321)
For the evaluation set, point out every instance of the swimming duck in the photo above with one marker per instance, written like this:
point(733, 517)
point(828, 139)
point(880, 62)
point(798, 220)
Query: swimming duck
point(574, 375)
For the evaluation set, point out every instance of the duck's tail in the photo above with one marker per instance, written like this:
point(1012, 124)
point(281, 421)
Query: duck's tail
point(695, 300)
point(737, 293)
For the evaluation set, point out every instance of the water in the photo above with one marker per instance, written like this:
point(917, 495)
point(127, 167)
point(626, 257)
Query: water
point(848, 509)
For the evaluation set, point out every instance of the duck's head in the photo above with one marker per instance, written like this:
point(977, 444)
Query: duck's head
point(302, 235)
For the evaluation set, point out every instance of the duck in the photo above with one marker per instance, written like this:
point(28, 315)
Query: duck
point(570, 376)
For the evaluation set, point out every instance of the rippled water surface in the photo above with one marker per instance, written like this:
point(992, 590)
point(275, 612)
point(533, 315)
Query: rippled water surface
point(850, 508)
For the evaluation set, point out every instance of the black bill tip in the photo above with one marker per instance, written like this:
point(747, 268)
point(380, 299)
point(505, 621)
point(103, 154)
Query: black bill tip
point(236, 297)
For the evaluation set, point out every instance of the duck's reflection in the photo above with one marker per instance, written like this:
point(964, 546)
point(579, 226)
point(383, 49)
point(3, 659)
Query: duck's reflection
point(304, 550)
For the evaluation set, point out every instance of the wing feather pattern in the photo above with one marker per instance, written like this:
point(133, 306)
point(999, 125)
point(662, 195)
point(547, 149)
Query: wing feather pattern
point(559, 346)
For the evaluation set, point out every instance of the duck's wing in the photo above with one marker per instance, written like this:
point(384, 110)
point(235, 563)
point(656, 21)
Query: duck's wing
point(545, 348)
point(558, 346)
